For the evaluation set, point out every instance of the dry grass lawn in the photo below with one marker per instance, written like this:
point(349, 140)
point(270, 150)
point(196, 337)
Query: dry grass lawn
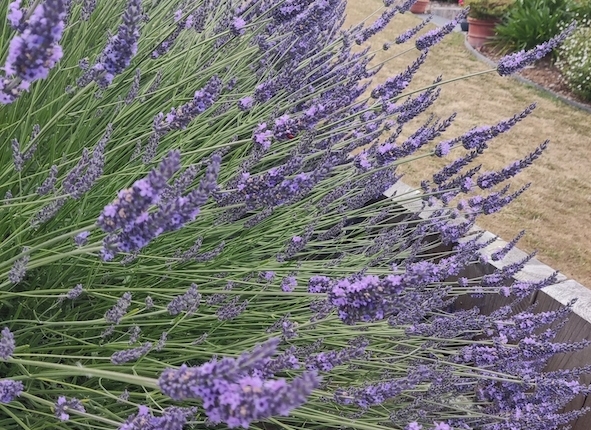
point(555, 211)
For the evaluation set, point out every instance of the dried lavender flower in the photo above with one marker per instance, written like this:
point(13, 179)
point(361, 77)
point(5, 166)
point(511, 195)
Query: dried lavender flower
point(47, 212)
point(19, 268)
point(48, 184)
point(116, 313)
point(7, 344)
point(162, 341)
point(188, 302)
point(134, 333)
point(10, 389)
point(135, 87)
point(149, 303)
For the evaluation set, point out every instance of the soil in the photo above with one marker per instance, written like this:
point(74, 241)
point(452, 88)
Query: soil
point(543, 73)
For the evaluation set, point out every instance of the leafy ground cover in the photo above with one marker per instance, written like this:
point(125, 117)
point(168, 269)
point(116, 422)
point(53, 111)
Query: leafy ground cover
point(555, 211)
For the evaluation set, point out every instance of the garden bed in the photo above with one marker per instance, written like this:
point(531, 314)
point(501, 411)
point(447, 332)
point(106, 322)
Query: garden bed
point(543, 73)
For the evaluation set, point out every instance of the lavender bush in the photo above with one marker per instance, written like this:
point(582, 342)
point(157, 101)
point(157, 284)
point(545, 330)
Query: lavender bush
point(194, 231)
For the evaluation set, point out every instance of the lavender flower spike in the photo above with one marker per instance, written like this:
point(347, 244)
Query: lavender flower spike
point(124, 211)
point(6, 344)
point(121, 47)
point(512, 63)
point(35, 51)
point(10, 389)
point(435, 36)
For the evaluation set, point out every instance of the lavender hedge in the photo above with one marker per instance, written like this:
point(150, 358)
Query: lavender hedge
point(194, 232)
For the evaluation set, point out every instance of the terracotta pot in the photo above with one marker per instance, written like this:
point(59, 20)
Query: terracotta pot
point(420, 6)
point(480, 31)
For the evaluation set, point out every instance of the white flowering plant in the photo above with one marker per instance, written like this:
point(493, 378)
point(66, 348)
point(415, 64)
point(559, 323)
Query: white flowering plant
point(574, 59)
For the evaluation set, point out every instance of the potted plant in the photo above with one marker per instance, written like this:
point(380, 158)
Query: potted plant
point(420, 6)
point(483, 17)
point(464, 21)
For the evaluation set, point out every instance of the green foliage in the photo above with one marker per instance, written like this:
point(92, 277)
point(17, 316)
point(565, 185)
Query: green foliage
point(531, 22)
point(487, 9)
point(574, 60)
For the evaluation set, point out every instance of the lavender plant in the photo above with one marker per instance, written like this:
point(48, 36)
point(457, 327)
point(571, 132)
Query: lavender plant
point(234, 262)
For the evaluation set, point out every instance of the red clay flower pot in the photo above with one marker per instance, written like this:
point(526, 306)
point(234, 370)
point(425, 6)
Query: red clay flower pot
point(480, 31)
point(420, 6)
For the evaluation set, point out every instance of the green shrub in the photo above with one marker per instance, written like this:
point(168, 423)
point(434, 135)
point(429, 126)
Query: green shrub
point(574, 60)
point(531, 22)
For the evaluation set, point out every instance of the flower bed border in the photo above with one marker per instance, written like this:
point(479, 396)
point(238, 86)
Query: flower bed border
point(526, 81)
point(552, 297)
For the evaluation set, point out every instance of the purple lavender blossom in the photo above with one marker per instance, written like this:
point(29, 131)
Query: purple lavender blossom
point(516, 61)
point(19, 268)
point(63, 406)
point(15, 15)
point(414, 426)
point(77, 183)
point(170, 216)
point(132, 203)
point(326, 361)
point(187, 302)
point(490, 179)
point(10, 389)
point(121, 47)
point(179, 118)
point(48, 184)
point(319, 284)
point(36, 50)
point(231, 309)
point(133, 354)
point(477, 137)
point(246, 103)
point(377, 26)
point(116, 313)
point(262, 137)
point(7, 344)
point(267, 276)
point(81, 238)
point(435, 36)
point(394, 86)
point(288, 284)
point(407, 35)
point(237, 25)
point(285, 128)
point(230, 395)
point(500, 254)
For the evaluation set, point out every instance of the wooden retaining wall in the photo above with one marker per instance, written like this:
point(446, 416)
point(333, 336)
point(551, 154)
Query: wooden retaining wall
point(578, 326)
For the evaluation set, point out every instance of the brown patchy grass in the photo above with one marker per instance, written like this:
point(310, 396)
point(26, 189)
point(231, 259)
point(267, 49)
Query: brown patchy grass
point(556, 210)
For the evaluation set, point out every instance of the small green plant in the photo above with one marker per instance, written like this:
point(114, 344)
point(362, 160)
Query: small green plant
point(487, 9)
point(574, 60)
point(531, 22)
